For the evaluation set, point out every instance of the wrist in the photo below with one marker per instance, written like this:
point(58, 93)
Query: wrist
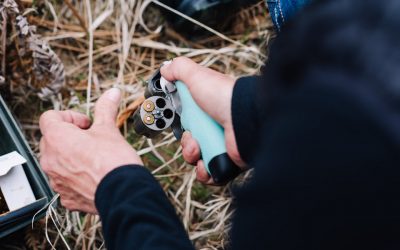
point(109, 166)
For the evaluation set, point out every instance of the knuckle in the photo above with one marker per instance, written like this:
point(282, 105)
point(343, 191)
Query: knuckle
point(235, 156)
point(181, 60)
point(42, 145)
point(66, 202)
point(186, 157)
point(46, 115)
point(185, 137)
point(51, 136)
point(44, 163)
point(68, 115)
point(63, 202)
point(191, 159)
point(46, 122)
point(55, 187)
point(104, 105)
point(182, 66)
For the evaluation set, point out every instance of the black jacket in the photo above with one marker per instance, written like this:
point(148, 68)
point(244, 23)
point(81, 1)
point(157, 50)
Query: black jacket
point(321, 127)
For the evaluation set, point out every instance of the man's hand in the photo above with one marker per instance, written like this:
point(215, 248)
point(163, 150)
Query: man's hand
point(77, 155)
point(212, 91)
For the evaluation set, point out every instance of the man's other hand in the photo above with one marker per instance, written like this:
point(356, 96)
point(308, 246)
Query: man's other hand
point(76, 154)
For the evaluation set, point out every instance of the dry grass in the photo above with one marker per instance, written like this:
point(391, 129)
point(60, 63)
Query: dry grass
point(105, 43)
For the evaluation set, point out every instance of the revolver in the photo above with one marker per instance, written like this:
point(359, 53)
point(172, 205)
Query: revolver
point(170, 105)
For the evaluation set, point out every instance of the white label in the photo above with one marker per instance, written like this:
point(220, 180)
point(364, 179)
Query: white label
point(10, 160)
point(13, 181)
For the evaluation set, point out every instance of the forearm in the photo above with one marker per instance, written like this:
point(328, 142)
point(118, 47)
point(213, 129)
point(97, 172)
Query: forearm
point(136, 214)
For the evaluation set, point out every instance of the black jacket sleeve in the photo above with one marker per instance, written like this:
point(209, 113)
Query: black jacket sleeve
point(245, 116)
point(136, 213)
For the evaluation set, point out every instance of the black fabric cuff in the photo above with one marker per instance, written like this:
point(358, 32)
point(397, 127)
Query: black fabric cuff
point(105, 189)
point(244, 115)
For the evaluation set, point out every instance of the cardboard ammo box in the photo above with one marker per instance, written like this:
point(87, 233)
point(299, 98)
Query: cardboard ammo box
point(24, 190)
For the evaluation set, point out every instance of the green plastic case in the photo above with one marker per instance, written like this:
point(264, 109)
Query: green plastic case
point(11, 139)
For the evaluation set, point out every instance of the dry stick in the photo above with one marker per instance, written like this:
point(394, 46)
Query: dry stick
point(78, 35)
point(76, 14)
point(53, 13)
point(103, 50)
point(121, 78)
point(27, 2)
point(152, 61)
point(181, 189)
point(49, 214)
point(66, 47)
point(93, 228)
point(154, 151)
point(127, 42)
point(119, 38)
point(175, 202)
point(104, 15)
point(82, 236)
point(127, 77)
point(46, 24)
point(89, 85)
point(4, 40)
point(58, 235)
point(149, 149)
point(165, 165)
point(195, 235)
point(138, 63)
point(124, 115)
point(173, 34)
point(189, 198)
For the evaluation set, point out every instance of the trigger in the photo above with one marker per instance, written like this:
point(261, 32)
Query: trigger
point(177, 128)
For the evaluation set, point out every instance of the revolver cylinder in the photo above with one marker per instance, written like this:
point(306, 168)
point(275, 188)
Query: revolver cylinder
point(155, 115)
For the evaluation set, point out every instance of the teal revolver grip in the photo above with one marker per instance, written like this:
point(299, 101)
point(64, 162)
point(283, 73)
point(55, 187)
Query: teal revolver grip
point(209, 135)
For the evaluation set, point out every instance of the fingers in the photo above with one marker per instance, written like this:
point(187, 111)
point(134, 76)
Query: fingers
point(190, 149)
point(106, 109)
point(202, 174)
point(191, 154)
point(51, 117)
point(76, 118)
point(105, 113)
point(211, 90)
point(181, 68)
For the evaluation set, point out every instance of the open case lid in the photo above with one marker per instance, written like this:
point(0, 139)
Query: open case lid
point(12, 137)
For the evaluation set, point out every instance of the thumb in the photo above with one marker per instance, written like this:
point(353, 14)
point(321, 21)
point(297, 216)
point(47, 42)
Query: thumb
point(106, 109)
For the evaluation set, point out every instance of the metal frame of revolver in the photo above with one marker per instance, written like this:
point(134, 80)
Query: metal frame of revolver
point(160, 110)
